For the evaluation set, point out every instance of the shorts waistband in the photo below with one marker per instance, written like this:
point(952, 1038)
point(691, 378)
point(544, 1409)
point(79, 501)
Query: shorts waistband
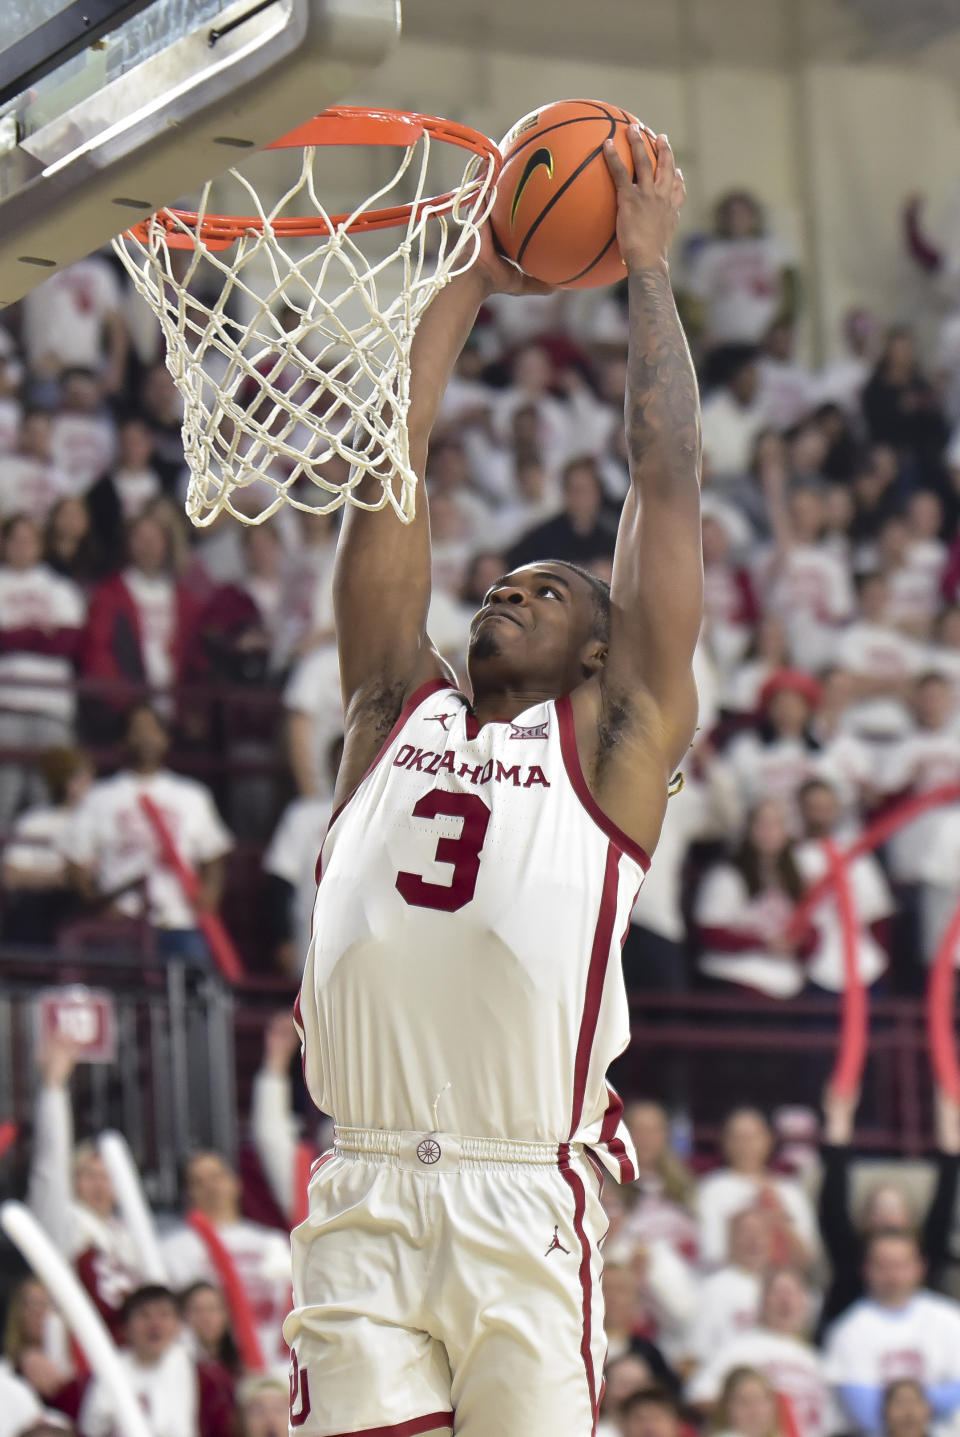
point(444, 1152)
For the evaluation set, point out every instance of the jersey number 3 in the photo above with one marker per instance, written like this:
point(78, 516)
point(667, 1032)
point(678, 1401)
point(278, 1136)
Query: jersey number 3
point(463, 852)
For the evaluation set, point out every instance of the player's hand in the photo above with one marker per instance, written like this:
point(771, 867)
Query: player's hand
point(647, 207)
point(499, 276)
point(57, 1062)
point(280, 1042)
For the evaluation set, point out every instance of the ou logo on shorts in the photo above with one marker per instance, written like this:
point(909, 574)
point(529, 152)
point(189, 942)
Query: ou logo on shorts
point(428, 1151)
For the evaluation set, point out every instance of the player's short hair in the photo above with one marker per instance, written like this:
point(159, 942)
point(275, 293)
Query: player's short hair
point(143, 1296)
point(652, 1397)
point(600, 591)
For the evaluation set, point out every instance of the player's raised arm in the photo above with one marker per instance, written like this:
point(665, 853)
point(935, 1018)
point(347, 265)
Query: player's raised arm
point(382, 574)
point(657, 590)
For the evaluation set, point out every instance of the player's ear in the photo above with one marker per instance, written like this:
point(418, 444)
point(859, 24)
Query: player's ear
point(593, 656)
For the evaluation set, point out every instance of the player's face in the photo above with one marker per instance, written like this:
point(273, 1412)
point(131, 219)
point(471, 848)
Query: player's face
point(535, 630)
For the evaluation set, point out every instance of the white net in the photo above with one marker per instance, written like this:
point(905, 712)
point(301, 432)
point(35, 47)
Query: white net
point(292, 350)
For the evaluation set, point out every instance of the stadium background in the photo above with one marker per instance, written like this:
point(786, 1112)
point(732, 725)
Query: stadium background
point(833, 117)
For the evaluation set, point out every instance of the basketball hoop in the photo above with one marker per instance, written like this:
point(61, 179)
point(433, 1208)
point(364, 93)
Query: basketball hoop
point(275, 403)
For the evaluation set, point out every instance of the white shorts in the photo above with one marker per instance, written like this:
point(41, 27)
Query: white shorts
point(447, 1283)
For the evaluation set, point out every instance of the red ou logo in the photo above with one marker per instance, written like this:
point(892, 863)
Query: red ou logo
point(299, 1393)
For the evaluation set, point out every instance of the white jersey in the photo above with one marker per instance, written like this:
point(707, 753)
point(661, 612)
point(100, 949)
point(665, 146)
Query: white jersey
point(464, 969)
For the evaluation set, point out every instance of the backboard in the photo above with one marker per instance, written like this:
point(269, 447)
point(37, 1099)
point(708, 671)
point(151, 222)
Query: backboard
point(110, 109)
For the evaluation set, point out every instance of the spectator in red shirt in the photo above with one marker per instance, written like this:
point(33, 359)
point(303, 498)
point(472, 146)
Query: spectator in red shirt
point(139, 627)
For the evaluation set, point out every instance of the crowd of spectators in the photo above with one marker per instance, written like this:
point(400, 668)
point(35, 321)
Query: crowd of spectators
point(829, 664)
point(146, 667)
point(751, 1295)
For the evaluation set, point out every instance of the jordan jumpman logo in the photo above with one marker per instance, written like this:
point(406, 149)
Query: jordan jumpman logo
point(556, 1243)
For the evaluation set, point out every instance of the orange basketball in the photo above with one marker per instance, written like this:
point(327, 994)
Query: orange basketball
point(555, 214)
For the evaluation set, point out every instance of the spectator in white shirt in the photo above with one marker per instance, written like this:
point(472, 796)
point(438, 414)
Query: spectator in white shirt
point(786, 386)
point(773, 759)
point(115, 853)
point(778, 1347)
point(290, 863)
point(41, 619)
point(75, 319)
point(22, 1412)
point(729, 1299)
point(71, 1194)
point(913, 582)
point(747, 1183)
point(35, 1341)
point(748, 1406)
point(899, 1330)
point(743, 907)
point(872, 900)
point(260, 1255)
point(84, 439)
point(30, 481)
point(943, 655)
point(36, 887)
point(843, 380)
point(732, 417)
point(179, 1397)
point(740, 278)
point(531, 379)
point(124, 493)
point(923, 760)
point(806, 582)
point(884, 663)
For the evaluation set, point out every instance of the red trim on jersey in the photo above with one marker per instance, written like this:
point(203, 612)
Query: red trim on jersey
point(571, 762)
point(608, 1135)
point(575, 1184)
point(599, 957)
point(403, 1429)
point(418, 696)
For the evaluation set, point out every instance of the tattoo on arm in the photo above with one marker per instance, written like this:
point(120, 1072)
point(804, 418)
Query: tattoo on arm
point(662, 405)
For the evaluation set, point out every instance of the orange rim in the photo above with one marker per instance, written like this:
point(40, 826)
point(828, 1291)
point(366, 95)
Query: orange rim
point(341, 125)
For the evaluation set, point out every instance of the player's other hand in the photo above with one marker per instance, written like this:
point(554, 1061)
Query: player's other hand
point(58, 1058)
point(498, 274)
point(647, 207)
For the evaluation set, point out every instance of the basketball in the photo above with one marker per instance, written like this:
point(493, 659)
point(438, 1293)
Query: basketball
point(555, 214)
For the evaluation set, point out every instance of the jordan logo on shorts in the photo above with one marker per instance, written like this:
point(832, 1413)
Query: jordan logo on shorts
point(556, 1243)
point(441, 719)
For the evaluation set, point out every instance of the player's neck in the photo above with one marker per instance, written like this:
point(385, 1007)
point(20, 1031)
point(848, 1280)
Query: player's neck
point(504, 705)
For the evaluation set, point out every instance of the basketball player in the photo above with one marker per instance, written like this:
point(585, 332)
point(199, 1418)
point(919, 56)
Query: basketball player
point(462, 997)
